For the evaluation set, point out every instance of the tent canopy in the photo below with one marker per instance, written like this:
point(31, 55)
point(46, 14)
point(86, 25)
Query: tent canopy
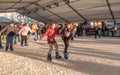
point(62, 11)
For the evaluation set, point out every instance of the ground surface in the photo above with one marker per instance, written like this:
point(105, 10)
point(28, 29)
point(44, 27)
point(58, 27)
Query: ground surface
point(88, 56)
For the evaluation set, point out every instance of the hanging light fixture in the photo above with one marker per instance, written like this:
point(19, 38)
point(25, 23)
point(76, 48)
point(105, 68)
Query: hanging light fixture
point(67, 1)
point(37, 9)
point(29, 13)
point(49, 6)
point(43, 9)
point(56, 4)
point(92, 24)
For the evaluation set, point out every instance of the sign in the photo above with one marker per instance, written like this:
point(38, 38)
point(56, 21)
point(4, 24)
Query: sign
point(86, 25)
point(23, 18)
point(109, 24)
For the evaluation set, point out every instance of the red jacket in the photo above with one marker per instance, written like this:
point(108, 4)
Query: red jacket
point(50, 33)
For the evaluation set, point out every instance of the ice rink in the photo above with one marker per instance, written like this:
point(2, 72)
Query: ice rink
point(88, 56)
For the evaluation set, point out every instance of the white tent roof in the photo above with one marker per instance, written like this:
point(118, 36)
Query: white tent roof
point(74, 11)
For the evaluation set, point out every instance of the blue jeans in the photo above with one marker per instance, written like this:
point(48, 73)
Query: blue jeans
point(19, 38)
point(9, 40)
point(39, 33)
point(35, 36)
point(15, 37)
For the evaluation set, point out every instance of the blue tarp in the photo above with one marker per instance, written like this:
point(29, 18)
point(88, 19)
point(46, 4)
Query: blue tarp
point(4, 19)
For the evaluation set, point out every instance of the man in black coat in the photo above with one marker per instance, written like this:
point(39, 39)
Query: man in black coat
point(1, 27)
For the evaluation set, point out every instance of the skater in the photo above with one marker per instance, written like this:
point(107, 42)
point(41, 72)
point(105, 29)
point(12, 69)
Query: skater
point(20, 27)
point(73, 31)
point(34, 30)
point(96, 32)
point(78, 31)
point(15, 37)
point(1, 42)
point(10, 32)
point(66, 38)
point(1, 27)
point(40, 30)
point(50, 33)
point(99, 32)
point(24, 33)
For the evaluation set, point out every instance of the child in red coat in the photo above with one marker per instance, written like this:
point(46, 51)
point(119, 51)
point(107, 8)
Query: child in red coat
point(50, 33)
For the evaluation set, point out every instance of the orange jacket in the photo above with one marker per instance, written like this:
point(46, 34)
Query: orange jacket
point(34, 27)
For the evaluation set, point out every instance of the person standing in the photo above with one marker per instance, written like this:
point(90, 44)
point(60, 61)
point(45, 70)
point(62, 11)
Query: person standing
point(73, 31)
point(96, 32)
point(1, 27)
point(10, 33)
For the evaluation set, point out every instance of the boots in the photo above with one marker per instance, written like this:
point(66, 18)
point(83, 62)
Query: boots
point(65, 55)
point(6, 49)
point(11, 48)
point(1, 47)
point(49, 58)
point(58, 56)
point(35, 39)
point(15, 42)
point(26, 44)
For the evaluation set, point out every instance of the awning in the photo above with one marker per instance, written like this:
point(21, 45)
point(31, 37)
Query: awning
point(62, 11)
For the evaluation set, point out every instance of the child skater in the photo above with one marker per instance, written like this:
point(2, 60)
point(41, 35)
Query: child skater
point(20, 27)
point(66, 38)
point(34, 30)
point(50, 33)
point(16, 36)
point(24, 33)
point(10, 33)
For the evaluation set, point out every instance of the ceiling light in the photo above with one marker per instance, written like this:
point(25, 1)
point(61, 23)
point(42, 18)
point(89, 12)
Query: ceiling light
point(37, 9)
point(43, 9)
point(48, 6)
point(67, 1)
point(56, 4)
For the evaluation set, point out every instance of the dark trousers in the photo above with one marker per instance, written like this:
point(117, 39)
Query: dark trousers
point(23, 39)
point(35, 35)
point(9, 41)
point(112, 33)
point(19, 38)
point(66, 43)
point(72, 37)
point(0, 41)
point(78, 34)
point(15, 37)
point(96, 35)
point(81, 32)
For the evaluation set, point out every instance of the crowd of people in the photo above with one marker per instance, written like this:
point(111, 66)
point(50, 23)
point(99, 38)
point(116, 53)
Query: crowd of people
point(23, 31)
